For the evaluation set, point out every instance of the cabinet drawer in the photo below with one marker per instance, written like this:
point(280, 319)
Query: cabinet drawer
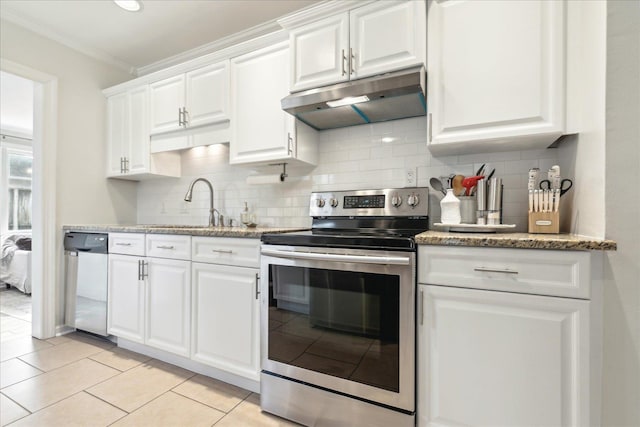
point(528, 271)
point(229, 251)
point(169, 246)
point(126, 243)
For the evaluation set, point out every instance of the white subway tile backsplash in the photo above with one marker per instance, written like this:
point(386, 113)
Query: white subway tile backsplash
point(367, 156)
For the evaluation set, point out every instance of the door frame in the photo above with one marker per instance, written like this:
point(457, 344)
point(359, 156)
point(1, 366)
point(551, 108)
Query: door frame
point(46, 250)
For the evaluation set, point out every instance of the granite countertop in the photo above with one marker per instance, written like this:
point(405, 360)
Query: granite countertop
point(515, 240)
point(255, 232)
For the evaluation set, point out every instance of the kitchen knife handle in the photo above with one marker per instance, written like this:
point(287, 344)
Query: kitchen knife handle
point(495, 270)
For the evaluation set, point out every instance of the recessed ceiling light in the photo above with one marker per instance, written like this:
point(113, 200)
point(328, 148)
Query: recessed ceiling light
point(129, 5)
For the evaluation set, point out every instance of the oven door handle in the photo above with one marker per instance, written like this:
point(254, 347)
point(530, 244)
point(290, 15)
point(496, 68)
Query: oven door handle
point(366, 259)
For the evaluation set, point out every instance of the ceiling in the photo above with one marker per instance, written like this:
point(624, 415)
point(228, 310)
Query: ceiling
point(163, 29)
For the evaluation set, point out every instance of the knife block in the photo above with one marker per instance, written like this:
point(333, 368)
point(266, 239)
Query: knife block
point(544, 222)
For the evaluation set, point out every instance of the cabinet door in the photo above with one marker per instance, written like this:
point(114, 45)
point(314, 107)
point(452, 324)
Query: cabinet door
point(496, 72)
point(501, 359)
point(261, 131)
point(320, 53)
point(208, 94)
point(226, 331)
point(138, 150)
point(387, 36)
point(126, 298)
point(167, 98)
point(168, 305)
point(117, 132)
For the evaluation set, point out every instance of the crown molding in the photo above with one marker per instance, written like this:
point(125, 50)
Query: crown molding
point(201, 61)
point(320, 11)
point(208, 48)
point(44, 31)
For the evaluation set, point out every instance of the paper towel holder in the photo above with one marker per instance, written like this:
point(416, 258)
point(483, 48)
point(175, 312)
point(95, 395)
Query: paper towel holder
point(283, 175)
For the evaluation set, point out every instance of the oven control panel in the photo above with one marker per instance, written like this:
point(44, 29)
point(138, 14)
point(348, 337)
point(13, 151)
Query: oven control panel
point(384, 202)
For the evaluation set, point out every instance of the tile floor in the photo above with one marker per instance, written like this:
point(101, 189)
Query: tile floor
point(78, 380)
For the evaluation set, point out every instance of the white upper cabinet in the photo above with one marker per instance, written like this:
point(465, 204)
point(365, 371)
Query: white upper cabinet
point(496, 75)
point(372, 39)
point(196, 98)
point(386, 36)
point(261, 131)
point(320, 53)
point(128, 149)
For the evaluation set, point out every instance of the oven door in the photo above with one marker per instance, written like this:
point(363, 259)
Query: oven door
point(342, 320)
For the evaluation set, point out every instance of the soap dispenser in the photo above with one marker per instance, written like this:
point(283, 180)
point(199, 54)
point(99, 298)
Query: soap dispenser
point(246, 217)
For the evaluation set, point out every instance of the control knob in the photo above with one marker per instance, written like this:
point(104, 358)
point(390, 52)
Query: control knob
point(320, 203)
point(333, 203)
point(413, 200)
point(396, 200)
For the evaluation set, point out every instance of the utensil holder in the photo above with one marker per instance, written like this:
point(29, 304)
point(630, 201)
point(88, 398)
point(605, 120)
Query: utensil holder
point(544, 222)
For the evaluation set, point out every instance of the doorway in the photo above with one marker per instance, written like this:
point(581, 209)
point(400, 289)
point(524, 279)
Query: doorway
point(45, 248)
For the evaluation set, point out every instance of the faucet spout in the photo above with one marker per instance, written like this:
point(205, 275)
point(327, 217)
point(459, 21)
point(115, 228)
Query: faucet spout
point(189, 195)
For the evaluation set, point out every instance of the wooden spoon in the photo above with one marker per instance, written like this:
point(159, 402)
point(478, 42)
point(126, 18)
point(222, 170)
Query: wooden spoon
point(458, 188)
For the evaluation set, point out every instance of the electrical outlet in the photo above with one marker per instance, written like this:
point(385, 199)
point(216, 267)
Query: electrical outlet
point(411, 177)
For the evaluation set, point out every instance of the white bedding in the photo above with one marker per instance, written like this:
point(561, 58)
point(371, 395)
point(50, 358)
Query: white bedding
point(17, 271)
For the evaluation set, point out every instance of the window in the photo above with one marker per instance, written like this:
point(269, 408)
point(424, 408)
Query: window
point(19, 200)
point(15, 177)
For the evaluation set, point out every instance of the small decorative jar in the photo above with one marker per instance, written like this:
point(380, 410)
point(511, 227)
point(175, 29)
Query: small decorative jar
point(450, 208)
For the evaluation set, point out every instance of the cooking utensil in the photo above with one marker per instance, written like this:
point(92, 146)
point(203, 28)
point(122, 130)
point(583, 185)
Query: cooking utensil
point(470, 182)
point(458, 188)
point(480, 169)
point(491, 175)
point(436, 184)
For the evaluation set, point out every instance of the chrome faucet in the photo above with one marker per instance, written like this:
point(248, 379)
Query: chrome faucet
point(188, 196)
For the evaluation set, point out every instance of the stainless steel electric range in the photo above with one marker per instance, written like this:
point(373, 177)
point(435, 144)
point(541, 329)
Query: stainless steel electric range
point(338, 311)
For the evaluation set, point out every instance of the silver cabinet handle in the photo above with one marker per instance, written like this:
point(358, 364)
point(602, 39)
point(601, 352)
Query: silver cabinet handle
point(123, 244)
point(366, 259)
point(121, 164)
point(144, 273)
point(421, 307)
point(222, 251)
point(289, 143)
point(344, 60)
point(185, 117)
point(352, 60)
point(139, 269)
point(165, 247)
point(257, 285)
point(429, 125)
point(126, 165)
point(179, 116)
point(495, 270)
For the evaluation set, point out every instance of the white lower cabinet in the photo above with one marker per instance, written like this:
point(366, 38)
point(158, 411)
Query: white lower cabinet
point(126, 300)
point(168, 305)
point(225, 318)
point(507, 337)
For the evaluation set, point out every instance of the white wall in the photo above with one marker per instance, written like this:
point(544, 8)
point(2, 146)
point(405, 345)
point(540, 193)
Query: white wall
point(350, 158)
point(621, 386)
point(83, 194)
point(16, 105)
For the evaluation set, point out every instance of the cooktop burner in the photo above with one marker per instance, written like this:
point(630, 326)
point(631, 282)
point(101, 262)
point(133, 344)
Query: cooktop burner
point(364, 219)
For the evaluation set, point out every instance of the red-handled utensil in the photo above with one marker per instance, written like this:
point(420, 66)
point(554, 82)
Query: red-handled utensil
point(470, 182)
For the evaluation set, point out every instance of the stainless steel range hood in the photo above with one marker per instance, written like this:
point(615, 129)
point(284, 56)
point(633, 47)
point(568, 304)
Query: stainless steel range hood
point(390, 96)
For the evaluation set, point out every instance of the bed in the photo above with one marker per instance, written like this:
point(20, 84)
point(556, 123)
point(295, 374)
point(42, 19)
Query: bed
point(15, 260)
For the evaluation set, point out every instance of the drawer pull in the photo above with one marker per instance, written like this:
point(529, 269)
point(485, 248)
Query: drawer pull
point(222, 251)
point(123, 244)
point(165, 247)
point(494, 270)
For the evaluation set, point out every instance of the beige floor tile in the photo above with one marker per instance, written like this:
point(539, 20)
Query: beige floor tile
point(211, 392)
point(15, 370)
point(10, 411)
point(79, 410)
point(89, 339)
point(58, 340)
point(20, 346)
point(171, 409)
point(120, 359)
point(248, 414)
point(51, 387)
point(138, 386)
point(60, 355)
